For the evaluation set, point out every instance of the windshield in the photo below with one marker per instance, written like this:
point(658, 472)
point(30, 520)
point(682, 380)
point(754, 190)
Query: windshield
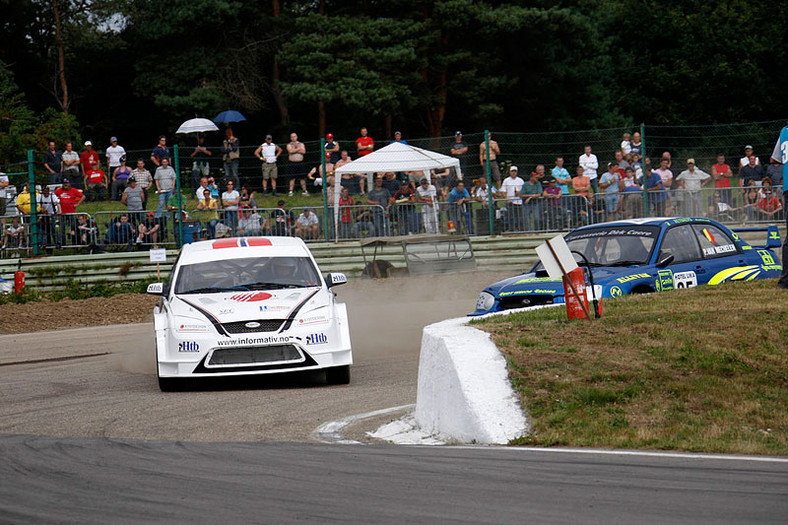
point(614, 246)
point(254, 273)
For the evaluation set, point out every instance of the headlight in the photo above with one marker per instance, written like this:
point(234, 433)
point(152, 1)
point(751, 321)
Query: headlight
point(485, 301)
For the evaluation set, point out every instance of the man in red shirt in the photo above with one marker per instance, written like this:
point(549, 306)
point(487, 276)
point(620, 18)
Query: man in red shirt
point(95, 183)
point(70, 198)
point(364, 144)
point(722, 177)
point(87, 158)
point(770, 205)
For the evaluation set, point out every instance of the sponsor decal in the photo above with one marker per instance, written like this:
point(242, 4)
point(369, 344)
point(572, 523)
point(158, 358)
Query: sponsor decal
point(614, 232)
point(766, 257)
point(664, 280)
point(188, 346)
point(709, 236)
point(266, 308)
point(338, 278)
point(777, 267)
point(737, 273)
point(746, 247)
point(191, 327)
point(632, 277)
point(226, 311)
point(249, 341)
point(685, 279)
point(615, 291)
point(252, 324)
point(533, 280)
point(315, 319)
point(250, 297)
point(526, 292)
point(714, 250)
point(317, 339)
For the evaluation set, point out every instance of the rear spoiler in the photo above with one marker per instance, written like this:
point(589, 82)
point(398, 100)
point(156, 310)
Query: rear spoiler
point(772, 234)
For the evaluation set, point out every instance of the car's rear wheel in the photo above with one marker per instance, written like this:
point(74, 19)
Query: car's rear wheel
point(338, 375)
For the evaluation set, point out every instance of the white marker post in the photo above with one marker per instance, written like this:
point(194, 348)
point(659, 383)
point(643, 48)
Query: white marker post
point(158, 256)
point(559, 262)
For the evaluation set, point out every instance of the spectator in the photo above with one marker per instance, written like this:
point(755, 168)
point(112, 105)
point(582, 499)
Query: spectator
point(249, 224)
point(769, 207)
point(495, 172)
point(398, 138)
point(70, 167)
point(554, 208)
point(631, 204)
point(748, 152)
point(635, 147)
point(543, 177)
point(316, 174)
point(307, 225)
point(96, 183)
point(88, 158)
point(133, 197)
point(405, 210)
point(175, 202)
point(86, 230)
point(268, 153)
point(752, 171)
point(721, 210)
point(609, 184)
point(364, 144)
point(70, 199)
point(144, 180)
point(3, 192)
point(210, 208)
point(281, 220)
point(750, 200)
point(121, 231)
point(48, 209)
point(459, 207)
point(200, 162)
point(363, 222)
point(779, 158)
point(332, 151)
point(459, 150)
point(53, 163)
point(23, 200)
point(165, 184)
point(426, 194)
point(775, 173)
point(120, 179)
point(626, 145)
point(590, 164)
point(213, 187)
point(391, 182)
point(149, 230)
point(114, 153)
point(247, 197)
point(532, 190)
point(510, 188)
point(161, 152)
point(199, 194)
point(481, 192)
point(345, 213)
point(15, 234)
point(230, 201)
point(561, 175)
point(666, 176)
point(295, 164)
point(694, 180)
point(443, 180)
point(380, 199)
point(621, 162)
point(657, 195)
point(231, 153)
point(581, 185)
point(722, 175)
point(637, 166)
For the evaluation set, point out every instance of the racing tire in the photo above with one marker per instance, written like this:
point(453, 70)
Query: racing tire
point(171, 384)
point(338, 375)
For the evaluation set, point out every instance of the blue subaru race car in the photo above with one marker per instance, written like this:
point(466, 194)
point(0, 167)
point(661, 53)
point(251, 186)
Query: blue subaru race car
point(643, 256)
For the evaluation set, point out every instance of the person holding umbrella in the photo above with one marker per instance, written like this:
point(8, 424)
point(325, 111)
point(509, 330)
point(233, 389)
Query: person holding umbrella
point(231, 153)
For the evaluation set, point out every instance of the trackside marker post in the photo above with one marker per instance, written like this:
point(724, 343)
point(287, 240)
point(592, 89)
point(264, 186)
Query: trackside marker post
point(560, 264)
point(158, 256)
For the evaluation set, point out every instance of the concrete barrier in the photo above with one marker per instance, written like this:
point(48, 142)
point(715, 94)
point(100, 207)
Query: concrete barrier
point(464, 394)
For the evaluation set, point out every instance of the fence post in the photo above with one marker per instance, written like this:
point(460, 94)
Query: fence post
point(31, 177)
point(326, 229)
point(178, 193)
point(490, 202)
point(643, 164)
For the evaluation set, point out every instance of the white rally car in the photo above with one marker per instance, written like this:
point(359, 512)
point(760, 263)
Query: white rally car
point(249, 305)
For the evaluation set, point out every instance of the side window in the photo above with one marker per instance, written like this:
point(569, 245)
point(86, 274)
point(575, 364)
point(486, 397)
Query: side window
point(713, 241)
point(681, 242)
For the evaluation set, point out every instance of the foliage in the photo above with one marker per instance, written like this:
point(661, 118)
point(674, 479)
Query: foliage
point(17, 121)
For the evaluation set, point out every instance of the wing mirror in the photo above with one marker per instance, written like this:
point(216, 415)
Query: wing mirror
point(665, 259)
point(335, 279)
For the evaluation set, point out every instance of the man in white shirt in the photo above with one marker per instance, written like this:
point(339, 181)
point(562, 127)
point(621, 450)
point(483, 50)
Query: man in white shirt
point(50, 209)
point(114, 153)
point(746, 158)
point(268, 152)
point(426, 194)
point(694, 180)
point(590, 164)
point(510, 188)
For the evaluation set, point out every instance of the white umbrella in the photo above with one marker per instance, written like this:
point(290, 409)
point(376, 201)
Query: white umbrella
point(197, 125)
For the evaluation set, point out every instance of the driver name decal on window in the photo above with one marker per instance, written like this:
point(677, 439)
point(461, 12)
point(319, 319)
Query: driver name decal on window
point(714, 250)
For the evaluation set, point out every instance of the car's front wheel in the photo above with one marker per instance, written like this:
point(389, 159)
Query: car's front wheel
point(338, 375)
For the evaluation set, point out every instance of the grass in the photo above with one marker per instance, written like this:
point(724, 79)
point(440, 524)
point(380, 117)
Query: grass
point(702, 370)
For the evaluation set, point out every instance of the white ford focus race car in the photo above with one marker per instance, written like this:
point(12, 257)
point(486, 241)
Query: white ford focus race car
point(249, 305)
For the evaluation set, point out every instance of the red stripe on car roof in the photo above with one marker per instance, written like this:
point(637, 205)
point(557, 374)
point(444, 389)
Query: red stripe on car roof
point(225, 243)
point(258, 241)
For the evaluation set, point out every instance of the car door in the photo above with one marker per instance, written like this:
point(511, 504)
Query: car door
point(687, 269)
point(720, 251)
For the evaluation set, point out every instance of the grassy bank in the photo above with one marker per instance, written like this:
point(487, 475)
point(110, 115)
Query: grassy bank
point(704, 369)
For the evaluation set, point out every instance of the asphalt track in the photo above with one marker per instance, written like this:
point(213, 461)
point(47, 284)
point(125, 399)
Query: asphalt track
point(85, 436)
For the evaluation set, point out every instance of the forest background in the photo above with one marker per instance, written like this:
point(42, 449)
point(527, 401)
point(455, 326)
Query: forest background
point(136, 69)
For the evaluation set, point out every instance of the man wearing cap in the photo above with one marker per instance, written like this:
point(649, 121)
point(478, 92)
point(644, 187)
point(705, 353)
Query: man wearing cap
point(780, 156)
point(70, 166)
point(459, 150)
point(133, 198)
point(425, 194)
point(458, 200)
point(96, 183)
point(332, 149)
point(49, 209)
point(748, 152)
point(53, 163)
point(398, 138)
point(510, 188)
point(161, 152)
point(268, 153)
point(404, 210)
point(120, 179)
point(87, 159)
point(281, 220)
point(114, 153)
point(70, 199)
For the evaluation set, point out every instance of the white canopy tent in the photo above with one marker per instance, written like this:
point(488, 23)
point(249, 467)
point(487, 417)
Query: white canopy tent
point(395, 157)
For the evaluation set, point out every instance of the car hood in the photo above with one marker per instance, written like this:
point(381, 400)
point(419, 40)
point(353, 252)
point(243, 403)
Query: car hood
point(530, 281)
point(252, 305)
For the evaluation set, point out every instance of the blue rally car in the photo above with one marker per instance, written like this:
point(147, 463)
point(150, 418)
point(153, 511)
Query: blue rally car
point(643, 256)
